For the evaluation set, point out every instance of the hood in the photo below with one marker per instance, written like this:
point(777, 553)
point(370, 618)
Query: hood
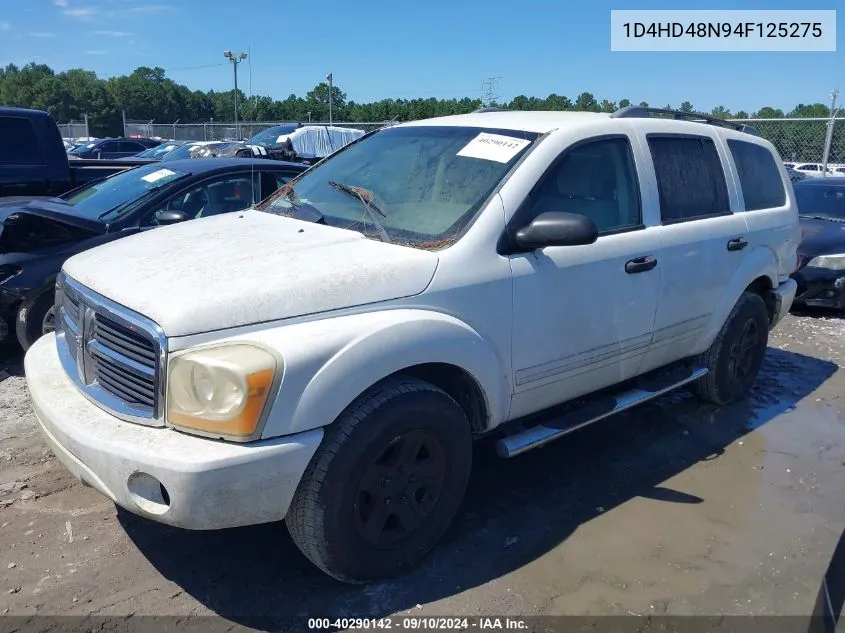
point(241, 268)
point(22, 201)
point(54, 209)
point(41, 224)
point(820, 237)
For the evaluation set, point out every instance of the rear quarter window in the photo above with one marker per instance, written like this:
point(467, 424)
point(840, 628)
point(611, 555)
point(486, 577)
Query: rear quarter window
point(759, 176)
point(18, 142)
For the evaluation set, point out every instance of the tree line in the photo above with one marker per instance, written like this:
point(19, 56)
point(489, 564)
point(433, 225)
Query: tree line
point(147, 94)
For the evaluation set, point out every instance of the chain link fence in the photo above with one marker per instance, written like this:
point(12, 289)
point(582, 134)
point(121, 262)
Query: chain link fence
point(803, 140)
point(223, 131)
point(797, 140)
point(74, 129)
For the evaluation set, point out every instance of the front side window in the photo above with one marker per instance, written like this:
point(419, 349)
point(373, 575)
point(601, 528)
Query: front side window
point(759, 176)
point(690, 178)
point(424, 184)
point(131, 147)
point(597, 179)
point(108, 146)
point(213, 197)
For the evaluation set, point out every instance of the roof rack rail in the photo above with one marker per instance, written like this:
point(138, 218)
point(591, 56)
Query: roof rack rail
point(642, 112)
point(490, 109)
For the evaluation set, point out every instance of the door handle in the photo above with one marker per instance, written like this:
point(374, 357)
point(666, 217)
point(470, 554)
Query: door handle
point(640, 264)
point(737, 244)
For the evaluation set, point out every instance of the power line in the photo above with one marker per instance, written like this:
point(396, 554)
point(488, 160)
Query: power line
point(170, 70)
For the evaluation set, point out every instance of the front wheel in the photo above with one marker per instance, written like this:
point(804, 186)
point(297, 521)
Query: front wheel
point(735, 357)
point(36, 317)
point(385, 484)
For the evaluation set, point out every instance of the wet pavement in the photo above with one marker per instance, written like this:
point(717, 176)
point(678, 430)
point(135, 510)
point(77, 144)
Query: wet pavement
point(675, 507)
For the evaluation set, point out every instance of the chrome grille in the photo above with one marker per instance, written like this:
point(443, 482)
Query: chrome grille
point(70, 305)
point(124, 361)
point(115, 356)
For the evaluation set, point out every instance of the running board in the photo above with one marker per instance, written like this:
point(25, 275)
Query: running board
point(593, 411)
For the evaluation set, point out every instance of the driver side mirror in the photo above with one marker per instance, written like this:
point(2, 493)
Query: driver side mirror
point(557, 229)
point(170, 217)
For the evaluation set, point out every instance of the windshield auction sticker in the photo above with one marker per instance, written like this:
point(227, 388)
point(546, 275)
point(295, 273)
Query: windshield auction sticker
point(734, 30)
point(158, 175)
point(493, 147)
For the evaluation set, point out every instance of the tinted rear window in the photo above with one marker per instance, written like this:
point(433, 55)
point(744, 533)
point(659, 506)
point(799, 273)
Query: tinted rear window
point(690, 179)
point(18, 142)
point(759, 176)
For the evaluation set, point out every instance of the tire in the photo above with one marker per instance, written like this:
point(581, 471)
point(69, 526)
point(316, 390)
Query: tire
point(357, 474)
point(30, 322)
point(729, 378)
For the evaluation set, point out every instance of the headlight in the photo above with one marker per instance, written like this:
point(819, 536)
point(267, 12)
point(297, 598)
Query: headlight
point(220, 390)
point(831, 262)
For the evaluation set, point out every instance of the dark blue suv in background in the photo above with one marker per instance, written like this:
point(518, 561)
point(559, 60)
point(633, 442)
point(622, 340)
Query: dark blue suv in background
point(113, 148)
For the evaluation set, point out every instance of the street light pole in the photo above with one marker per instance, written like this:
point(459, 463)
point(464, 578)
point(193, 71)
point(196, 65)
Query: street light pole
point(330, 78)
point(829, 138)
point(236, 59)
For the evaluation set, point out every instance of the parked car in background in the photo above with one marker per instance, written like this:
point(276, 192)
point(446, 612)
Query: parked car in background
point(304, 143)
point(33, 159)
point(37, 235)
point(328, 357)
point(158, 152)
point(815, 170)
point(821, 255)
point(795, 176)
point(187, 150)
point(110, 148)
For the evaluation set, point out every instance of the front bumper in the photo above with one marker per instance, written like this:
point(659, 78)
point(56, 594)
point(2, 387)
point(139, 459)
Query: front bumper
point(171, 477)
point(820, 288)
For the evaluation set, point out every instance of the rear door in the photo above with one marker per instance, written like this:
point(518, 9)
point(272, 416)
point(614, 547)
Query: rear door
point(701, 239)
point(771, 216)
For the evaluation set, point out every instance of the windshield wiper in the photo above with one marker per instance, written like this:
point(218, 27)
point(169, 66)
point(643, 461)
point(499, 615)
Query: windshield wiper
point(822, 217)
point(366, 197)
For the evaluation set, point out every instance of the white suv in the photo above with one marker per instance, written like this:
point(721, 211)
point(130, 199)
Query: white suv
point(329, 357)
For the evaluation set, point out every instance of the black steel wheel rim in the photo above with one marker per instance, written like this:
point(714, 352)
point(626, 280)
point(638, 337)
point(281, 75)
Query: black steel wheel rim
point(400, 489)
point(744, 351)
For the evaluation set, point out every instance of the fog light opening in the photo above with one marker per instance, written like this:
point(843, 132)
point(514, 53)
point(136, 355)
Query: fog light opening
point(829, 294)
point(148, 493)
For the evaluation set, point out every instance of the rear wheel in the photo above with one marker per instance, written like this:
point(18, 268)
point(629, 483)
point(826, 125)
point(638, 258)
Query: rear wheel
point(735, 357)
point(385, 484)
point(36, 317)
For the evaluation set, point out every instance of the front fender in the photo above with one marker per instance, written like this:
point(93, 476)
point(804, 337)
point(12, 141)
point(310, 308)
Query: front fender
point(761, 262)
point(330, 362)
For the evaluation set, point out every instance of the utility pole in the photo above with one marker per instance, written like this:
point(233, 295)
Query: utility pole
point(829, 139)
point(236, 59)
point(330, 78)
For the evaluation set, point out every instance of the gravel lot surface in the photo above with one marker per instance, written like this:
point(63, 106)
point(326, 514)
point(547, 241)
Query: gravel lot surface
point(672, 508)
